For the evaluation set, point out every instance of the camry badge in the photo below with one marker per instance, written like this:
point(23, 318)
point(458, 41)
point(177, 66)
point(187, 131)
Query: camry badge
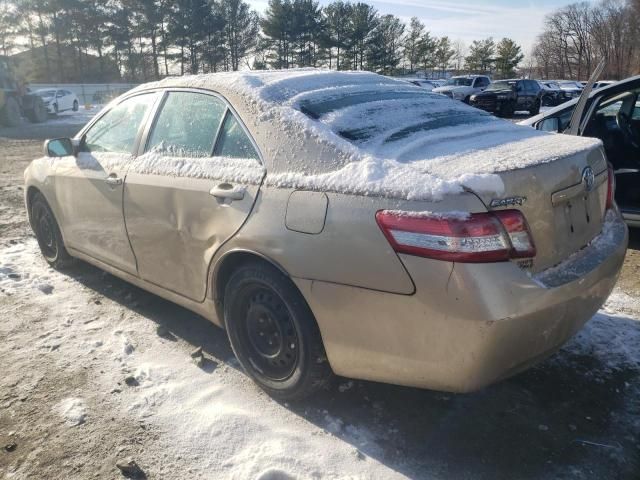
point(588, 178)
point(507, 202)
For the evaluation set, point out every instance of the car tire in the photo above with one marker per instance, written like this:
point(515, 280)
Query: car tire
point(75, 105)
point(506, 110)
point(55, 109)
point(535, 110)
point(10, 113)
point(467, 99)
point(48, 233)
point(273, 332)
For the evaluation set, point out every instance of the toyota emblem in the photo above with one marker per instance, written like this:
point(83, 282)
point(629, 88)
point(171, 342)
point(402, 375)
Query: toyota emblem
point(588, 178)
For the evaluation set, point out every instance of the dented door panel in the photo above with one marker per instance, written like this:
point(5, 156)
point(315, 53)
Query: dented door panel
point(175, 226)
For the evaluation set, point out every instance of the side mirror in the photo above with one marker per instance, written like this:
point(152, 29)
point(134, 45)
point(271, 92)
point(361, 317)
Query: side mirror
point(551, 124)
point(59, 147)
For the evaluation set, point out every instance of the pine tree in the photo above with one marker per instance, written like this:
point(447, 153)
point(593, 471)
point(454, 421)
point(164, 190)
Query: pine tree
point(509, 55)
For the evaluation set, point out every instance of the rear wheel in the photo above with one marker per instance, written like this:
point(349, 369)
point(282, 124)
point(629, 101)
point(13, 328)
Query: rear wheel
point(10, 113)
point(273, 332)
point(48, 233)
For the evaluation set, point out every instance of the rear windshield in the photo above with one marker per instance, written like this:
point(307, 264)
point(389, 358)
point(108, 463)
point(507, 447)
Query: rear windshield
point(383, 117)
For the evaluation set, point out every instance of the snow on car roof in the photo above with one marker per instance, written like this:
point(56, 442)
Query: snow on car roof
point(386, 136)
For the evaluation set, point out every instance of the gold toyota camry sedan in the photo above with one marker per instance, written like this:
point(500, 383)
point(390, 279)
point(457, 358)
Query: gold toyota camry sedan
point(340, 223)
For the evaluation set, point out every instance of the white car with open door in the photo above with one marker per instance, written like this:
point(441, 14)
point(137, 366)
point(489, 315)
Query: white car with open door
point(612, 114)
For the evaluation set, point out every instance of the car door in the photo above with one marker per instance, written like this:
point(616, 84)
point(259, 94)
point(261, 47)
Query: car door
point(62, 101)
point(532, 92)
point(89, 185)
point(190, 191)
point(481, 83)
point(68, 100)
point(520, 96)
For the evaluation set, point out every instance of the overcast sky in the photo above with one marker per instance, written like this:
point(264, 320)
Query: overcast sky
point(469, 19)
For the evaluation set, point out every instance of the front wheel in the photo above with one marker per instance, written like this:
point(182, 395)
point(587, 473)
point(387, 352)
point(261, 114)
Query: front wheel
point(75, 105)
point(48, 233)
point(535, 110)
point(506, 110)
point(273, 332)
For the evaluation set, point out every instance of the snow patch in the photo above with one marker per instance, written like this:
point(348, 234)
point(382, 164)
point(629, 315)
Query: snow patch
point(73, 410)
point(391, 138)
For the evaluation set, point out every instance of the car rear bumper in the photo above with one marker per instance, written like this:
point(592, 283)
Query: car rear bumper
point(467, 325)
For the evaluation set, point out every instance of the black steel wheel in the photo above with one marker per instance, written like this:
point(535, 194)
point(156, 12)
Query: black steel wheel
point(273, 332)
point(268, 332)
point(47, 233)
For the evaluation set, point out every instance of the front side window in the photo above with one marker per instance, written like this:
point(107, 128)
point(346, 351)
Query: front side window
point(187, 125)
point(233, 141)
point(116, 130)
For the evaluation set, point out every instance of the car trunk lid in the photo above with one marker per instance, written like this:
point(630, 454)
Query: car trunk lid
point(564, 202)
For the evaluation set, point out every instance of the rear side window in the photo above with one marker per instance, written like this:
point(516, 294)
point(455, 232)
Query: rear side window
point(116, 130)
point(187, 125)
point(233, 141)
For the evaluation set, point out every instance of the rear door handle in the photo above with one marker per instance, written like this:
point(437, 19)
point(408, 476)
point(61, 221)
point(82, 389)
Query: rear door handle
point(113, 181)
point(226, 191)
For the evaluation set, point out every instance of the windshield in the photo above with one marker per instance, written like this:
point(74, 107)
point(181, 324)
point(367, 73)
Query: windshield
point(385, 117)
point(46, 93)
point(459, 82)
point(570, 85)
point(501, 86)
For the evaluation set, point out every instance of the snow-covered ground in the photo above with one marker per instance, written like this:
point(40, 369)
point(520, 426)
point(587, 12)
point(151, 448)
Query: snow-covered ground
point(95, 371)
point(212, 419)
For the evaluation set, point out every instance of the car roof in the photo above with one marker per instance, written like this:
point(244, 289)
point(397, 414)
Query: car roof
point(363, 133)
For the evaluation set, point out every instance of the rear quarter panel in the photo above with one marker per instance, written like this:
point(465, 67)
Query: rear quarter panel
point(350, 249)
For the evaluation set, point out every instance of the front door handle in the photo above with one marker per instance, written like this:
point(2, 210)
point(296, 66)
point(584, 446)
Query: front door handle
point(113, 181)
point(228, 192)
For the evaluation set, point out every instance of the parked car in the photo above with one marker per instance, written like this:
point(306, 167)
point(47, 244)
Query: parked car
point(571, 88)
point(612, 114)
point(336, 221)
point(58, 100)
point(462, 87)
point(505, 97)
point(552, 94)
point(419, 82)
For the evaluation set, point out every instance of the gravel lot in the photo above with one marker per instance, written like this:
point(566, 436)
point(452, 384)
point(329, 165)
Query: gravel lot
point(69, 341)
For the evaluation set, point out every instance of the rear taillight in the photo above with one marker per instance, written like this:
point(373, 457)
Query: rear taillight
point(476, 237)
point(611, 186)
